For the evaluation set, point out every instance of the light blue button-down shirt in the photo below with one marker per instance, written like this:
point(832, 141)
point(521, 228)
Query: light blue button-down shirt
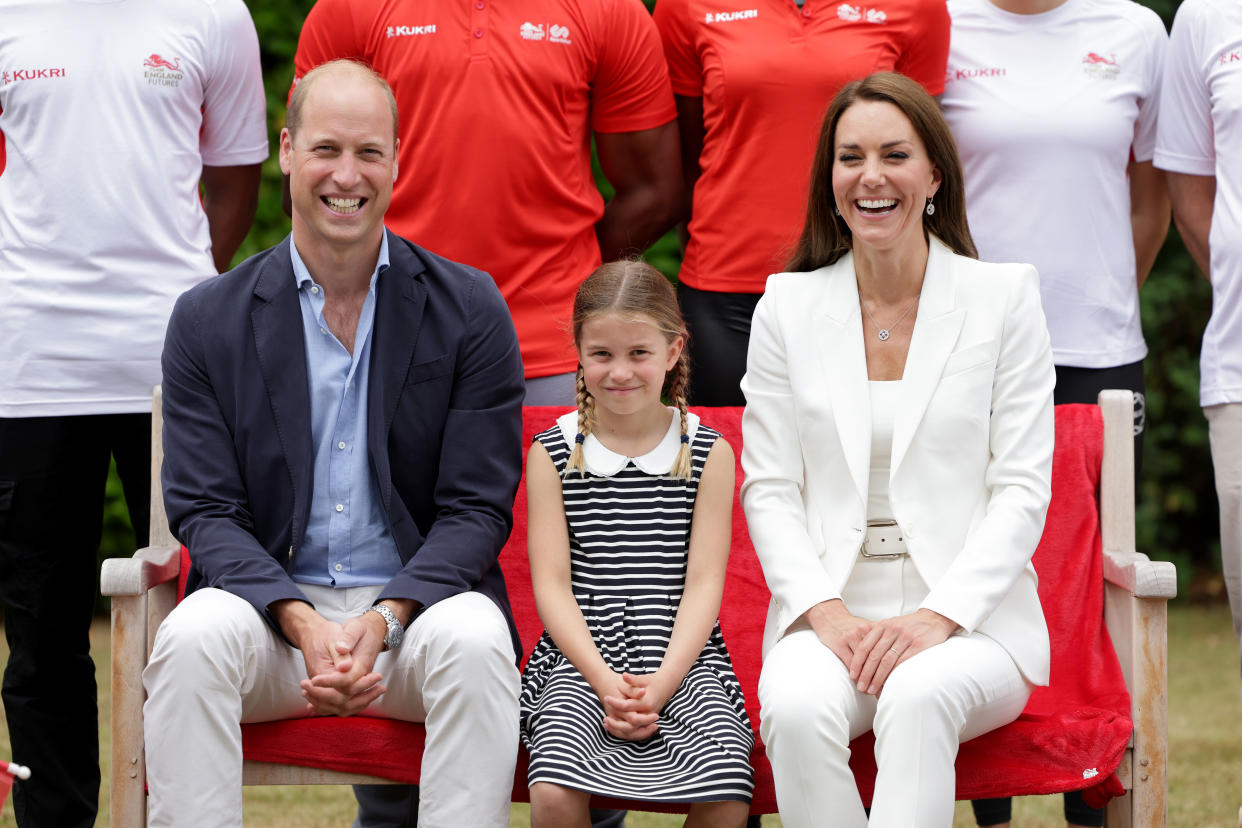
point(348, 542)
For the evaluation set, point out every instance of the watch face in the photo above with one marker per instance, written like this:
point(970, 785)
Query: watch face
point(395, 630)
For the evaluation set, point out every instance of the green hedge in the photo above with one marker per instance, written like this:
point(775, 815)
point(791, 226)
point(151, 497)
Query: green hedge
point(1177, 517)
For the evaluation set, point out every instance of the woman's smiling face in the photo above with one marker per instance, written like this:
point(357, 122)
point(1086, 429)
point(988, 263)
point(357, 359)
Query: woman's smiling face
point(881, 177)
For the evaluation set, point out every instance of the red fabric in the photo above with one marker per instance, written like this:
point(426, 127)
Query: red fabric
point(1097, 796)
point(6, 784)
point(1071, 735)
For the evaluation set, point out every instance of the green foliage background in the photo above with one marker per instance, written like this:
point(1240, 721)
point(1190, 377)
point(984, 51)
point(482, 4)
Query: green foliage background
point(1177, 518)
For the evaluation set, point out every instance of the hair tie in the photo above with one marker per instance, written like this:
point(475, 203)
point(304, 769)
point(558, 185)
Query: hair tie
point(580, 438)
point(685, 438)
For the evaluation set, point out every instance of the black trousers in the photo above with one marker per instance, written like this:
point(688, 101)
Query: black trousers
point(1082, 385)
point(53, 471)
point(719, 326)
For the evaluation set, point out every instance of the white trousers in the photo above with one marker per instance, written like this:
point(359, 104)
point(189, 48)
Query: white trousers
point(216, 664)
point(810, 710)
point(1225, 434)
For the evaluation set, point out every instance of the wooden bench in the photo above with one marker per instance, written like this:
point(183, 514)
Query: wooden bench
point(1127, 734)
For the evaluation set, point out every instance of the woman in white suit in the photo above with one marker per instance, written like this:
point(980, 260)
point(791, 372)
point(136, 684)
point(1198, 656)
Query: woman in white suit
point(898, 450)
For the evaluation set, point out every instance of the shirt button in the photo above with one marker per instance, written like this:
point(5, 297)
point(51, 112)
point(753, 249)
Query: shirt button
point(314, 288)
point(480, 5)
point(338, 567)
point(478, 32)
point(341, 445)
point(340, 507)
point(323, 331)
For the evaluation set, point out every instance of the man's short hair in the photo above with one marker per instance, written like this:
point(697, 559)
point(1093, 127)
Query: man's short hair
point(293, 118)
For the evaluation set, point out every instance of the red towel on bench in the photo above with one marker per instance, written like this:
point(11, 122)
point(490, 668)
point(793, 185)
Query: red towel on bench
point(1071, 735)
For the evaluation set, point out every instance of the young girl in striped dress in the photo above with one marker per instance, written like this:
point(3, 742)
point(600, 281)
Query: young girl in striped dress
point(629, 692)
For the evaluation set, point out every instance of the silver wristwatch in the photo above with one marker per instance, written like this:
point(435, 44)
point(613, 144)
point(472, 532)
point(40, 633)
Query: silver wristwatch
point(395, 630)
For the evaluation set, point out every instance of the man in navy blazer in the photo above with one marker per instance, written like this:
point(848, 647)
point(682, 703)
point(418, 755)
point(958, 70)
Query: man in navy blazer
point(342, 447)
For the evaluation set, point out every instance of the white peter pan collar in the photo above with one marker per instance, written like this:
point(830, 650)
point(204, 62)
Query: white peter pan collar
point(604, 462)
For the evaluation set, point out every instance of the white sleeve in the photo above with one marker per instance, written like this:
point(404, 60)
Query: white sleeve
point(1184, 141)
point(772, 460)
point(1019, 474)
point(234, 104)
point(1144, 145)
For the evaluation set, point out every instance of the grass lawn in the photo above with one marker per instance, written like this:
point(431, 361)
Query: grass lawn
point(1205, 745)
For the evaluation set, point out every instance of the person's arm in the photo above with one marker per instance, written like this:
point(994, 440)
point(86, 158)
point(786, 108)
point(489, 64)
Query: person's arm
point(548, 547)
point(233, 134)
point(230, 196)
point(1194, 197)
point(691, 130)
point(1149, 215)
point(644, 168)
point(209, 507)
point(1018, 472)
point(775, 471)
point(477, 458)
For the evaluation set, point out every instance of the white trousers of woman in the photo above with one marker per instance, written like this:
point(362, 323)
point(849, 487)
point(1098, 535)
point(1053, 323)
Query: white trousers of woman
point(216, 664)
point(810, 710)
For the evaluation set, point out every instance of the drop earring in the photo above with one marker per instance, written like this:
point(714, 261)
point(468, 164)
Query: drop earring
point(931, 208)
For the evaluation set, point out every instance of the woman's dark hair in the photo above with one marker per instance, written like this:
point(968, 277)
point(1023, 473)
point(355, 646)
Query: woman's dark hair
point(825, 236)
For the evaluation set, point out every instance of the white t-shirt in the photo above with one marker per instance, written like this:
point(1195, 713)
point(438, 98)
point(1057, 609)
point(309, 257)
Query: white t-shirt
point(108, 112)
point(1046, 109)
point(1201, 134)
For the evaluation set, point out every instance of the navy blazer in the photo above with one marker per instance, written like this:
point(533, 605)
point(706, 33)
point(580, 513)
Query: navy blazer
point(444, 431)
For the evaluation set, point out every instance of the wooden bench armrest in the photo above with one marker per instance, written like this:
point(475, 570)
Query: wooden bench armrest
point(1123, 566)
point(149, 567)
point(1139, 575)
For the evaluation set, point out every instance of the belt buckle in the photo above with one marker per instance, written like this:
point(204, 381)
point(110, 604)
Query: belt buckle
point(886, 535)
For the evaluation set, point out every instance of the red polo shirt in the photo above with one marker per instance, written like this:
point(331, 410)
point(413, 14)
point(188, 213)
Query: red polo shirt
point(766, 71)
point(498, 101)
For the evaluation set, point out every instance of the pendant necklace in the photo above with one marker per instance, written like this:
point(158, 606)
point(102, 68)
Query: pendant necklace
point(883, 333)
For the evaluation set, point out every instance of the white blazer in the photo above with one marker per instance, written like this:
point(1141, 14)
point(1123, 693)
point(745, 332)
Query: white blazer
point(972, 445)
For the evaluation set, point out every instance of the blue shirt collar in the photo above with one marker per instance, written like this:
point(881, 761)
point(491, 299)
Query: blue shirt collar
point(303, 275)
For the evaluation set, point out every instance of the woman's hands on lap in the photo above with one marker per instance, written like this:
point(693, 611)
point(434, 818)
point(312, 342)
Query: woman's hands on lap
point(892, 641)
point(838, 629)
point(871, 649)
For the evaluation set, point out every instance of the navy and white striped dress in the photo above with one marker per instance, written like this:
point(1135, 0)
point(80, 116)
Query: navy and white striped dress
point(629, 531)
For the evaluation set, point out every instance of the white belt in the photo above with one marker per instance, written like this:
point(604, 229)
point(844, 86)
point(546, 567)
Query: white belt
point(884, 539)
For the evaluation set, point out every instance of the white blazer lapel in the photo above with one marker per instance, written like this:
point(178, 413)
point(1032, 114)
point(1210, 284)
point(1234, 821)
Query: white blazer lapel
point(839, 336)
point(936, 328)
